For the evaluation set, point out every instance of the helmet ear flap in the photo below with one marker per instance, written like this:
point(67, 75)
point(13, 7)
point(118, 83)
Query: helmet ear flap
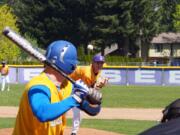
point(73, 67)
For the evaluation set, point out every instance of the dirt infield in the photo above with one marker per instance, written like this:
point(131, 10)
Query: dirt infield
point(106, 113)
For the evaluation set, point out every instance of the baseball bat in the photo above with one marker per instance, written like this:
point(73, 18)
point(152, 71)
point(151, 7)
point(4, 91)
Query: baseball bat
point(27, 47)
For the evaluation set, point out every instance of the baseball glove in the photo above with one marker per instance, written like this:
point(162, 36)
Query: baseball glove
point(101, 82)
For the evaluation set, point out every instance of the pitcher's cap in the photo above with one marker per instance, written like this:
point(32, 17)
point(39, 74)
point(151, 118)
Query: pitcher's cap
point(98, 58)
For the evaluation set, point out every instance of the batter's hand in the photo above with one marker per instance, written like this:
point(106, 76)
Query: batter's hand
point(94, 97)
point(80, 91)
point(101, 82)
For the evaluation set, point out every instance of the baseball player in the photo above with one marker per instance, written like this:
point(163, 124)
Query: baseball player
point(4, 76)
point(91, 76)
point(47, 97)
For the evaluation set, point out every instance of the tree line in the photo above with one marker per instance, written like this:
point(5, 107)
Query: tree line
point(99, 22)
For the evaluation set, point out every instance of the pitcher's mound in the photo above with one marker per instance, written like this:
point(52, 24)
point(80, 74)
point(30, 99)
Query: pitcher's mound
point(82, 131)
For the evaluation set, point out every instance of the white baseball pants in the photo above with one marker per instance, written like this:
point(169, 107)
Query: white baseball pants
point(76, 119)
point(4, 79)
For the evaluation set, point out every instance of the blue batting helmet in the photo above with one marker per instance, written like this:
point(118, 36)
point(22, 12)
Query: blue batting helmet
point(63, 54)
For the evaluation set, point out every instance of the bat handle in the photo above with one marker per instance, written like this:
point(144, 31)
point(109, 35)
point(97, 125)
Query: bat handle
point(63, 74)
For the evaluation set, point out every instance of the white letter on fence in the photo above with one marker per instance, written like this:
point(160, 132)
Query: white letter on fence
point(31, 72)
point(174, 76)
point(113, 75)
point(144, 76)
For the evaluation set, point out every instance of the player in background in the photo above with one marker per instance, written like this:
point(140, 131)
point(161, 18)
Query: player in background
point(48, 96)
point(4, 76)
point(90, 75)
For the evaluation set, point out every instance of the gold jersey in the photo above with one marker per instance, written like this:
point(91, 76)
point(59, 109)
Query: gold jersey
point(86, 74)
point(4, 70)
point(27, 123)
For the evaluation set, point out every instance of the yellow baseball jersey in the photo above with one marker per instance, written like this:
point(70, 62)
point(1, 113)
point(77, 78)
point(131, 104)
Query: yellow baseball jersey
point(86, 74)
point(27, 123)
point(4, 70)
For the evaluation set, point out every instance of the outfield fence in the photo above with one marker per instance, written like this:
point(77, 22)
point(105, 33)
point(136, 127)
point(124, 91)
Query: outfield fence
point(118, 75)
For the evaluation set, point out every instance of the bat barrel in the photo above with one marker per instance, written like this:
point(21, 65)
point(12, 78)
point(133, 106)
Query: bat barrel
point(27, 47)
point(23, 43)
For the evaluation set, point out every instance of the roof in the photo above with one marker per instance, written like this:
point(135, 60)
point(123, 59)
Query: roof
point(166, 38)
point(110, 49)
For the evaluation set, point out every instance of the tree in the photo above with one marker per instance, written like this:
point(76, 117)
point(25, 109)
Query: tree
point(126, 26)
point(121, 22)
point(169, 8)
point(176, 20)
point(106, 20)
point(49, 20)
point(8, 51)
point(113, 23)
point(96, 21)
point(147, 17)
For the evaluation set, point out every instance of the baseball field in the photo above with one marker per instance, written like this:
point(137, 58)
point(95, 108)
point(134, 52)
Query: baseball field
point(134, 98)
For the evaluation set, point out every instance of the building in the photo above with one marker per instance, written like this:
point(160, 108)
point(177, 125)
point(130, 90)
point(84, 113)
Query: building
point(165, 48)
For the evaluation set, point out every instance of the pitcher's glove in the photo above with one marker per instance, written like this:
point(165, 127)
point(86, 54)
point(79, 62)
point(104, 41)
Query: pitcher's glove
point(101, 82)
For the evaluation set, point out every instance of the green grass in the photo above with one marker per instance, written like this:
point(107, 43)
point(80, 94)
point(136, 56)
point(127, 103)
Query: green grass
point(139, 96)
point(12, 97)
point(114, 96)
point(7, 122)
point(128, 127)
